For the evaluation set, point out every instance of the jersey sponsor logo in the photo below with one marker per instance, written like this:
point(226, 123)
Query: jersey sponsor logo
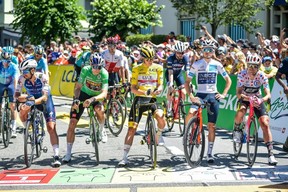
point(257, 83)
point(93, 85)
point(212, 68)
point(207, 78)
point(251, 90)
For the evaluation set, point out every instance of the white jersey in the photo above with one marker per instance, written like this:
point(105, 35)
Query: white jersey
point(250, 86)
point(113, 62)
point(206, 75)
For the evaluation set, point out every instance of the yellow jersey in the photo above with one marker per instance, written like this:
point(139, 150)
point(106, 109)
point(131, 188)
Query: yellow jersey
point(147, 77)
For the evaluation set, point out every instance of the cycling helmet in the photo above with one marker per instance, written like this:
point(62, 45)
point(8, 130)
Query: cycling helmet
point(112, 40)
point(6, 55)
point(221, 50)
point(209, 43)
point(179, 47)
point(27, 64)
point(8, 49)
point(95, 47)
point(147, 52)
point(253, 59)
point(39, 50)
point(85, 48)
point(96, 59)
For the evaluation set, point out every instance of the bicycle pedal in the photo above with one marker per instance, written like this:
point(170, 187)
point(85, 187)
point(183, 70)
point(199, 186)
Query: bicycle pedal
point(45, 149)
point(88, 141)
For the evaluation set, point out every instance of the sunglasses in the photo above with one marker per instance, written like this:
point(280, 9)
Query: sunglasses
point(25, 72)
point(6, 61)
point(38, 55)
point(254, 66)
point(97, 67)
point(180, 53)
point(208, 50)
point(112, 46)
point(148, 59)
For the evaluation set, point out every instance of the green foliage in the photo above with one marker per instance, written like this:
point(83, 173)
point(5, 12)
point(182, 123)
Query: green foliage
point(157, 39)
point(139, 38)
point(181, 38)
point(225, 12)
point(46, 20)
point(123, 17)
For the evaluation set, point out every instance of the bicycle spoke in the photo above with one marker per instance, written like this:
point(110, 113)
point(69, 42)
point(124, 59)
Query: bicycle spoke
point(252, 143)
point(95, 137)
point(29, 144)
point(115, 117)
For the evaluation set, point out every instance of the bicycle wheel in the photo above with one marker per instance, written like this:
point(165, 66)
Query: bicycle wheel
point(194, 143)
point(169, 120)
point(5, 125)
point(115, 117)
point(123, 102)
point(152, 144)
point(252, 143)
point(39, 134)
point(29, 144)
point(94, 129)
point(181, 119)
point(237, 147)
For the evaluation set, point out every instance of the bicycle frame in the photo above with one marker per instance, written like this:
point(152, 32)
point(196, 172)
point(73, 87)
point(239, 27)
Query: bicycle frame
point(5, 119)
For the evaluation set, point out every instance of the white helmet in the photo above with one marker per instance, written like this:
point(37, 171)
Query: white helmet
point(253, 59)
point(179, 47)
point(27, 64)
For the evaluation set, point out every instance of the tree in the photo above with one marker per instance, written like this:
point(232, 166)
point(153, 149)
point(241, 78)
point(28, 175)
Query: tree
point(224, 12)
point(110, 17)
point(45, 20)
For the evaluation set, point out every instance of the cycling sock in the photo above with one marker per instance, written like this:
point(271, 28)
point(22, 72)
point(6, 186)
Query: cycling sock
point(236, 126)
point(69, 148)
point(13, 125)
point(269, 146)
point(210, 147)
point(101, 127)
point(126, 151)
point(56, 149)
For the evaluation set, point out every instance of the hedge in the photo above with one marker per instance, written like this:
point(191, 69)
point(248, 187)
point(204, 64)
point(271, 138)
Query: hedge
point(156, 39)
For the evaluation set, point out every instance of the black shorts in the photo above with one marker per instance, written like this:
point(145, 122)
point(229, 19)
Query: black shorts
point(133, 117)
point(83, 96)
point(258, 111)
point(113, 79)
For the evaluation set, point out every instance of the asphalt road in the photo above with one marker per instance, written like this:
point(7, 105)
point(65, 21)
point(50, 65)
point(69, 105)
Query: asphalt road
point(172, 170)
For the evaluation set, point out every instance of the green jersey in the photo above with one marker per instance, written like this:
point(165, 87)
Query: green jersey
point(93, 84)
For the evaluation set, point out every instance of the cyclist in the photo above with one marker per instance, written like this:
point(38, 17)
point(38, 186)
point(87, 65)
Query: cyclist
point(249, 82)
point(42, 65)
point(10, 50)
point(146, 83)
point(114, 61)
point(206, 70)
point(38, 90)
point(175, 64)
point(8, 79)
point(83, 59)
point(91, 88)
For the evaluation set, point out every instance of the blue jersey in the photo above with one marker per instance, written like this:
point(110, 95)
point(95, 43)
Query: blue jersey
point(83, 59)
point(42, 65)
point(9, 74)
point(177, 65)
point(37, 89)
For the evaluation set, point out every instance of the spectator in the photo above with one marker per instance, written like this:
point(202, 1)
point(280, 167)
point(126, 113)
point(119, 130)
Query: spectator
point(72, 58)
point(171, 38)
point(267, 67)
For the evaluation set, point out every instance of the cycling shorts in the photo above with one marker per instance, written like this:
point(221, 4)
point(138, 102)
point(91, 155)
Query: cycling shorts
point(178, 78)
point(78, 113)
point(11, 90)
point(261, 111)
point(214, 105)
point(113, 79)
point(48, 110)
point(135, 115)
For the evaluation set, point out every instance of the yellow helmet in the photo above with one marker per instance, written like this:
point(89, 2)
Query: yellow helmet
point(147, 52)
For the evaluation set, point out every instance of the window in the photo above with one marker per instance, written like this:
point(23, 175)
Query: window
point(187, 28)
point(88, 5)
point(236, 32)
point(147, 30)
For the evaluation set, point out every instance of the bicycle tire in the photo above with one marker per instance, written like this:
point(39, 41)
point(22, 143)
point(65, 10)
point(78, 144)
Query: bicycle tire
point(252, 143)
point(39, 136)
point(169, 120)
point(115, 117)
point(29, 144)
point(123, 102)
point(95, 138)
point(194, 143)
point(181, 116)
point(5, 125)
point(237, 147)
point(153, 142)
